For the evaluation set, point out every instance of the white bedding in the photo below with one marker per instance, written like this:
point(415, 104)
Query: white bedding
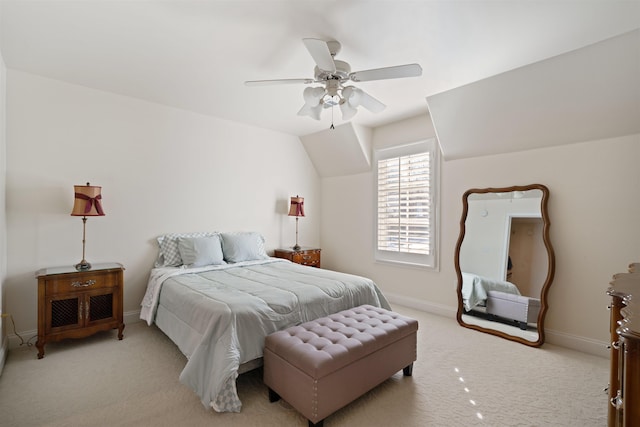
point(475, 288)
point(219, 315)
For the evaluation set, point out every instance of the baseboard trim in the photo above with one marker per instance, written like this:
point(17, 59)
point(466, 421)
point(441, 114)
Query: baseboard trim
point(561, 339)
point(441, 310)
point(574, 342)
point(4, 350)
point(131, 317)
point(14, 341)
point(27, 336)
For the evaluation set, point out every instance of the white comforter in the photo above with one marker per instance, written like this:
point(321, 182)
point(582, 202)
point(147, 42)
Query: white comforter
point(230, 309)
point(475, 288)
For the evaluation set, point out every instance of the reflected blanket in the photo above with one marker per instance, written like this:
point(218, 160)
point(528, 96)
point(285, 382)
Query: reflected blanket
point(475, 288)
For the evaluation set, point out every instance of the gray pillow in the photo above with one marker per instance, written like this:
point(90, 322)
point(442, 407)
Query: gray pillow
point(243, 246)
point(169, 255)
point(200, 251)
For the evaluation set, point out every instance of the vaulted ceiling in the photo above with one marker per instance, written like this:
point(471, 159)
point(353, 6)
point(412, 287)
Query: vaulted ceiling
point(195, 55)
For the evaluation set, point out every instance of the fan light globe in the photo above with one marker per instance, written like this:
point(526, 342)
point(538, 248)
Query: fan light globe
point(313, 95)
point(312, 106)
point(349, 104)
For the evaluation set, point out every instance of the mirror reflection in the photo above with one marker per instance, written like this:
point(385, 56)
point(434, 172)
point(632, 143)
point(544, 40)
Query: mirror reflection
point(505, 262)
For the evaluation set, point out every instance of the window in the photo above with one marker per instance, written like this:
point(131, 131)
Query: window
point(405, 210)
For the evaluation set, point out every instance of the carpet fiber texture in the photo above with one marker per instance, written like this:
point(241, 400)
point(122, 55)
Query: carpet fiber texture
point(461, 378)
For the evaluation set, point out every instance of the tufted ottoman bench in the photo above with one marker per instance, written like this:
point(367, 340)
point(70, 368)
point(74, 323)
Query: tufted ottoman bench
point(320, 366)
point(520, 308)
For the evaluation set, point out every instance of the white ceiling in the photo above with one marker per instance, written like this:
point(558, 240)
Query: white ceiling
point(195, 55)
point(587, 94)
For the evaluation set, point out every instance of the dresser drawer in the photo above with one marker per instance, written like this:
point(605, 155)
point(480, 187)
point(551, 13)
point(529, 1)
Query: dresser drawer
point(62, 284)
point(310, 258)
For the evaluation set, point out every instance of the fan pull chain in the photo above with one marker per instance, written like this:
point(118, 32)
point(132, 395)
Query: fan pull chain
point(332, 127)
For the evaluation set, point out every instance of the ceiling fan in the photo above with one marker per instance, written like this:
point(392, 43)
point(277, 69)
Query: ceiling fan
point(333, 76)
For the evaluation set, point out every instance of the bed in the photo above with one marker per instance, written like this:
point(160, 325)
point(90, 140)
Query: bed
point(218, 295)
point(475, 289)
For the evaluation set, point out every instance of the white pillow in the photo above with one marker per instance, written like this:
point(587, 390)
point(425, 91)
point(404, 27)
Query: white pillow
point(243, 246)
point(169, 253)
point(200, 251)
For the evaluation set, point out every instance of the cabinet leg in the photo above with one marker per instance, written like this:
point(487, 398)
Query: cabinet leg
point(120, 329)
point(40, 346)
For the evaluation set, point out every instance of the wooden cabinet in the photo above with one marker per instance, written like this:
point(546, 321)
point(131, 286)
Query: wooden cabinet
point(304, 256)
point(76, 304)
point(624, 382)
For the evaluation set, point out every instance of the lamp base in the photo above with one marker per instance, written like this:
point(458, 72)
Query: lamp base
point(83, 265)
point(296, 247)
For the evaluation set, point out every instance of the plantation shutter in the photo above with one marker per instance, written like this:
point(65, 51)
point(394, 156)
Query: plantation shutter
point(404, 204)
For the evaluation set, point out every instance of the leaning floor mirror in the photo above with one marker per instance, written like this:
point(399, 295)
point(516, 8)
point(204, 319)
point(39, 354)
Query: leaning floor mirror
point(505, 262)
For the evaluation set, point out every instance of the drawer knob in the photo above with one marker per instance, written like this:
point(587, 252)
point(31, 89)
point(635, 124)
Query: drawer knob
point(78, 284)
point(616, 401)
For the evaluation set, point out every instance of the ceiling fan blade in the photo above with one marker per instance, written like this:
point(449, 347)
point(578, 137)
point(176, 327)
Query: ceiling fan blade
point(321, 54)
point(278, 82)
point(370, 103)
point(399, 71)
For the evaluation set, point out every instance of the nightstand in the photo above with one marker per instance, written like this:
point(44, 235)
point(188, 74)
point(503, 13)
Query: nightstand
point(304, 256)
point(76, 304)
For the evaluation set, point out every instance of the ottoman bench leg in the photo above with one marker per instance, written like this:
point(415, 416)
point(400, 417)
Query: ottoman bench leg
point(273, 396)
point(408, 370)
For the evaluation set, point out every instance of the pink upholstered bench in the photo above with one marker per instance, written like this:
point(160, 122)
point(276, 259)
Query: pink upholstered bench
point(320, 366)
point(520, 308)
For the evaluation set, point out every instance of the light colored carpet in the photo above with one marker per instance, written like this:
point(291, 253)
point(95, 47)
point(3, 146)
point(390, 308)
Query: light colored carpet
point(462, 378)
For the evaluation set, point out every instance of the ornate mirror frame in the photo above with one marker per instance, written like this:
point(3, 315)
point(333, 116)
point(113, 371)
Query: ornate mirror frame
point(550, 262)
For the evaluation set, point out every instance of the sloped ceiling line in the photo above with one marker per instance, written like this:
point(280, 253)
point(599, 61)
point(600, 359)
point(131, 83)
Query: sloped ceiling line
point(587, 94)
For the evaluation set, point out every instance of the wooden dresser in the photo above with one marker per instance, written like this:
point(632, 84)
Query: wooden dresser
point(304, 256)
point(624, 382)
point(76, 304)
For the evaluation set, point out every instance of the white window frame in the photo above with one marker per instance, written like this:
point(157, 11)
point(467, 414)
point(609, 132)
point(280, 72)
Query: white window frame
point(411, 259)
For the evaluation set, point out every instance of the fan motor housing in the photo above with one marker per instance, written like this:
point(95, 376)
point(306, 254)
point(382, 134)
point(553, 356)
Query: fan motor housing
point(341, 73)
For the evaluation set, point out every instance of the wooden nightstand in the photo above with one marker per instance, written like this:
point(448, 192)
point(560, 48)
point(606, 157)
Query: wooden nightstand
point(304, 256)
point(76, 304)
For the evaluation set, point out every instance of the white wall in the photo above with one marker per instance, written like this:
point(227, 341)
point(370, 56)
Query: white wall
point(593, 208)
point(161, 170)
point(168, 170)
point(3, 215)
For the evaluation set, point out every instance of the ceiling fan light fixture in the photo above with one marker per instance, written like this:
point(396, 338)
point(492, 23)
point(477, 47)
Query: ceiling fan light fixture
point(312, 102)
point(333, 74)
point(348, 112)
point(313, 112)
point(313, 95)
point(350, 102)
point(352, 95)
point(331, 100)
